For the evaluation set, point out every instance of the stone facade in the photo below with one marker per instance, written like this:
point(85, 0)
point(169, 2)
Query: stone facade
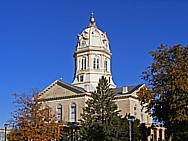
point(92, 60)
point(61, 93)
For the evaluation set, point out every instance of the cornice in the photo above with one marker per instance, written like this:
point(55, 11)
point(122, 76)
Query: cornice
point(125, 96)
point(100, 49)
point(63, 97)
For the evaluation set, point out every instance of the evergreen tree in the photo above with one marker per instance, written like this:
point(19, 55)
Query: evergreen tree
point(100, 118)
point(135, 129)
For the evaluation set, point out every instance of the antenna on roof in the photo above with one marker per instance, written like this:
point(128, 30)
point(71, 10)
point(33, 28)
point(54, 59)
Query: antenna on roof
point(61, 78)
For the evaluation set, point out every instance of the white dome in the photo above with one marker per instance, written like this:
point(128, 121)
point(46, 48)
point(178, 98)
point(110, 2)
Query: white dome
point(92, 36)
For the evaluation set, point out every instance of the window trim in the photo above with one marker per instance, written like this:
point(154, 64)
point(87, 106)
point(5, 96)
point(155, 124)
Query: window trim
point(83, 63)
point(96, 63)
point(59, 113)
point(105, 65)
point(73, 112)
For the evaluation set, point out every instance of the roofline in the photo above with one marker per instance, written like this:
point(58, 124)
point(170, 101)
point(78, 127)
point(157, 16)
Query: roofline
point(58, 82)
point(65, 97)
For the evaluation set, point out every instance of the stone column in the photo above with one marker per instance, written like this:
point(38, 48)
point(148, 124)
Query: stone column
point(163, 133)
point(157, 133)
point(149, 133)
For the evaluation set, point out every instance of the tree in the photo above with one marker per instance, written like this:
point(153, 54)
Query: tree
point(167, 80)
point(32, 119)
point(135, 129)
point(101, 119)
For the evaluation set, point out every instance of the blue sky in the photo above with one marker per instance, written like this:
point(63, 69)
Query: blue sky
point(38, 39)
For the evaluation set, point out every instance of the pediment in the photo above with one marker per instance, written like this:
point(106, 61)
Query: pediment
point(60, 89)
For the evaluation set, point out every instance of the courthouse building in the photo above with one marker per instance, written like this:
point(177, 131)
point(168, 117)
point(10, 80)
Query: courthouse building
point(92, 61)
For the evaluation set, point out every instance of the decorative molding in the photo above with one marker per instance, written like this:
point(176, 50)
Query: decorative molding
point(63, 97)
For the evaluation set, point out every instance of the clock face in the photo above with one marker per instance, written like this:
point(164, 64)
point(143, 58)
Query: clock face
point(83, 43)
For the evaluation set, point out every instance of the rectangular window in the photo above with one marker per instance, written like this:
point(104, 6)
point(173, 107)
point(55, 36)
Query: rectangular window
point(81, 78)
point(105, 65)
point(78, 78)
point(83, 66)
point(73, 113)
point(94, 63)
point(97, 63)
point(59, 113)
point(80, 65)
point(84, 63)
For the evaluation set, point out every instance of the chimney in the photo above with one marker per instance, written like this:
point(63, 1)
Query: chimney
point(125, 89)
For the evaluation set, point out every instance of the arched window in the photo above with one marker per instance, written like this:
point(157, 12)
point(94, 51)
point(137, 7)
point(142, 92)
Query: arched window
point(59, 113)
point(73, 112)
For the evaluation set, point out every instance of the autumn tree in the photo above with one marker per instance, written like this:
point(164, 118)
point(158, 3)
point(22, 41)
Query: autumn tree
point(167, 80)
point(101, 119)
point(32, 119)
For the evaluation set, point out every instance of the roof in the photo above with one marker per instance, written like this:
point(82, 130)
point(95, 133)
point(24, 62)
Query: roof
point(130, 90)
point(78, 91)
point(75, 89)
point(71, 87)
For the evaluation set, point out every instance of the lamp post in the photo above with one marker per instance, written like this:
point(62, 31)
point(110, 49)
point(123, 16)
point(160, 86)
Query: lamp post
point(5, 125)
point(130, 119)
point(73, 131)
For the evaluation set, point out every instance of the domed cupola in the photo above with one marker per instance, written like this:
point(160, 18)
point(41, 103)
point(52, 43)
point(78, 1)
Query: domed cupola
point(92, 37)
point(92, 57)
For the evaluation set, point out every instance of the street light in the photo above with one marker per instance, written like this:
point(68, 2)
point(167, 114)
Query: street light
point(130, 119)
point(73, 129)
point(5, 125)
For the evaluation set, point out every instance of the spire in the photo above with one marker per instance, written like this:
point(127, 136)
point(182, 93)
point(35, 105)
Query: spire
point(92, 20)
